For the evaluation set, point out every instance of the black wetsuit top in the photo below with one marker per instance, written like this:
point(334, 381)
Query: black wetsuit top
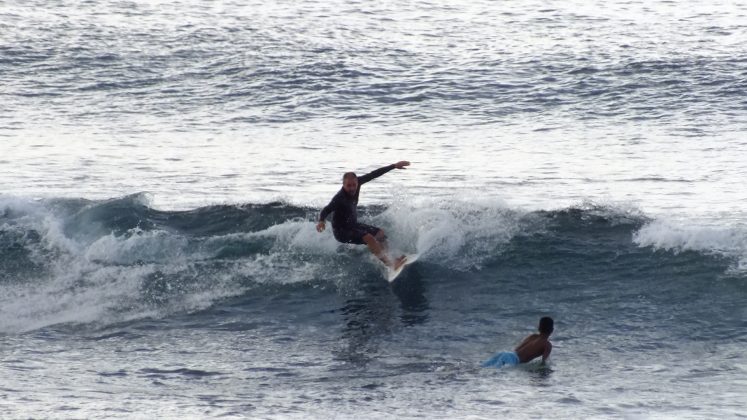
point(345, 208)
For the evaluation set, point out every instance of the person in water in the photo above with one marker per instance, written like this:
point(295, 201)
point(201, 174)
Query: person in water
point(345, 226)
point(533, 346)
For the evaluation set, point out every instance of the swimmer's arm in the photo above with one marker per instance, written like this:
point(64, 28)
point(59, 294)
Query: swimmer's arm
point(546, 354)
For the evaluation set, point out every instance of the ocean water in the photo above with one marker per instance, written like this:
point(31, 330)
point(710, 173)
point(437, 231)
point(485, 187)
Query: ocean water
point(163, 163)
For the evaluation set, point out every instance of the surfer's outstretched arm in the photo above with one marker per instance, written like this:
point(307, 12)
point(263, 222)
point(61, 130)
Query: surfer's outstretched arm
point(381, 171)
point(401, 164)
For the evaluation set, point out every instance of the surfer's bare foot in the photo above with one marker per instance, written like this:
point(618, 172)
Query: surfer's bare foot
point(399, 262)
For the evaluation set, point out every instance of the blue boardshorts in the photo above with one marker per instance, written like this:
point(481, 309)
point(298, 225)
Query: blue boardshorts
point(501, 359)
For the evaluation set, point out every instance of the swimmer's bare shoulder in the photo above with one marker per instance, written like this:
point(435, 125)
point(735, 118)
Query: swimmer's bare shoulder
point(533, 346)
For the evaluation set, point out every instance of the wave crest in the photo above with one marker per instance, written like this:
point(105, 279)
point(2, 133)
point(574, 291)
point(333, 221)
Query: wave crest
point(80, 261)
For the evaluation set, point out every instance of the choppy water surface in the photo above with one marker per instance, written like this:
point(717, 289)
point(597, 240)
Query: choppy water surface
point(163, 163)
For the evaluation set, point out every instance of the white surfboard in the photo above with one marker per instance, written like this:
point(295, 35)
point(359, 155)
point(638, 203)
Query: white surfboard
point(392, 274)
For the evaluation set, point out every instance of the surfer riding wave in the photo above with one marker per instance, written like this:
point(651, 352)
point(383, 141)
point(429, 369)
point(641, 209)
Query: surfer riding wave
point(344, 207)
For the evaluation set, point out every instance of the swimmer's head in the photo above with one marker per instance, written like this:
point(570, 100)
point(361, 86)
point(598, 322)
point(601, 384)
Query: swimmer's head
point(546, 325)
point(350, 182)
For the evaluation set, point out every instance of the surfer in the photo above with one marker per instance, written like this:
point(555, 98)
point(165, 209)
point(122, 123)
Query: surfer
point(345, 226)
point(533, 346)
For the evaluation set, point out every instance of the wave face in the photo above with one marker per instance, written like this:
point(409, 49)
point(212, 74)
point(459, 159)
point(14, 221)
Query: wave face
point(74, 261)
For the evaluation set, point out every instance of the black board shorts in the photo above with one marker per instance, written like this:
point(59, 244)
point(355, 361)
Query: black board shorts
point(355, 234)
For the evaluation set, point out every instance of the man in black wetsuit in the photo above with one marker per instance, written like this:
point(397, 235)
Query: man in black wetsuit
point(345, 224)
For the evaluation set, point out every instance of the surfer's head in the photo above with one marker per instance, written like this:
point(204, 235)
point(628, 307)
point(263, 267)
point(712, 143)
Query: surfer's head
point(350, 182)
point(546, 325)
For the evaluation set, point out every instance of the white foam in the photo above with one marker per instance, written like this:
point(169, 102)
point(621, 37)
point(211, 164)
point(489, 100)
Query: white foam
point(71, 293)
point(137, 246)
point(681, 236)
point(461, 233)
point(99, 280)
point(302, 235)
point(106, 278)
point(299, 254)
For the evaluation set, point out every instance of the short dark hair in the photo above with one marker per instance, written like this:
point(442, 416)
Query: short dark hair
point(547, 325)
point(347, 175)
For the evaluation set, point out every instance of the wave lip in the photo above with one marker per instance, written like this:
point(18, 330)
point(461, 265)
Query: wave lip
point(678, 237)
